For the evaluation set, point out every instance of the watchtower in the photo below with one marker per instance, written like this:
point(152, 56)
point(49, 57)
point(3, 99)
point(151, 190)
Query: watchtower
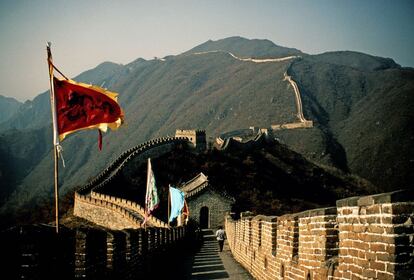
point(196, 137)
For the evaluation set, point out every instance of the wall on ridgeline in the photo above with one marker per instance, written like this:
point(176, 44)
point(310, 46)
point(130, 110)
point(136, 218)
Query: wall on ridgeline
point(116, 213)
point(231, 143)
point(369, 237)
point(104, 213)
point(304, 124)
point(196, 137)
point(152, 148)
point(129, 205)
point(37, 252)
point(155, 150)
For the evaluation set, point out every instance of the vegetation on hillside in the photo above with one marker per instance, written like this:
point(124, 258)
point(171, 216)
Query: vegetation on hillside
point(270, 180)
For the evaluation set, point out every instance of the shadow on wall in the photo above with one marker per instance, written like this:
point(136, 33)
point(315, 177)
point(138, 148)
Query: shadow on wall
point(37, 252)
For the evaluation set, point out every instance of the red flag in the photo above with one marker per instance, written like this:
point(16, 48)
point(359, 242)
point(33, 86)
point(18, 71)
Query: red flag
point(81, 106)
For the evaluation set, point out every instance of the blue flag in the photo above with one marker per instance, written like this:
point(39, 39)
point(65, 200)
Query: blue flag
point(177, 202)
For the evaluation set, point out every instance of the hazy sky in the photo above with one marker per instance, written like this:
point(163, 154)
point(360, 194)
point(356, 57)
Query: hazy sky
point(86, 33)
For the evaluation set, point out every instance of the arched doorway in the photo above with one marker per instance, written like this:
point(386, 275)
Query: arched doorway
point(204, 217)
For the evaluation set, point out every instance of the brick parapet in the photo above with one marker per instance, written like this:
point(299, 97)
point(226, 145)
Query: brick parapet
point(88, 253)
point(105, 213)
point(376, 236)
point(127, 204)
point(118, 164)
point(90, 204)
point(368, 237)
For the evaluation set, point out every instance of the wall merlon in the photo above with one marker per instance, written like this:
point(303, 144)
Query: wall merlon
point(390, 197)
point(324, 212)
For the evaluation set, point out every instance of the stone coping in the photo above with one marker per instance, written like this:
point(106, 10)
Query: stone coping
point(264, 218)
point(317, 212)
point(390, 197)
point(308, 213)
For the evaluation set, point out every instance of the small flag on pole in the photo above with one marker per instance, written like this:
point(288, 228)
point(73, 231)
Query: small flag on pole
point(177, 203)
point(151, 197)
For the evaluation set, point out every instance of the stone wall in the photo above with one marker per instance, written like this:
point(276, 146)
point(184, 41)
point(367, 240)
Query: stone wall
point(153, 148)
point(368, 237)
point(105, 213)
point(112, 212)
point(196, 137)
point(132, 205)
point(37, 252)
point(217, 204)
point(304, 124)
point(116, 213)
point(231, 143)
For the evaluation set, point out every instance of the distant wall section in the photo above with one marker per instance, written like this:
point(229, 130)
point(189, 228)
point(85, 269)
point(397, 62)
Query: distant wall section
point(196, 137)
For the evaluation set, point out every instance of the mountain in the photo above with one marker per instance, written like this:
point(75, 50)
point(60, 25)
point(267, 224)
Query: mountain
point(364, 113)
point(23, 150)
point(36, 113)
point(246, 48)
point(8, 107)
point(360, 106)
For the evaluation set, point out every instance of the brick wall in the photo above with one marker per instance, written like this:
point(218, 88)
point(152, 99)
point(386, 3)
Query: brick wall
point(369, 237)
point(104, 213)
point(217, 205)
point(376, 236)
point(37, 252)
point(127, 204)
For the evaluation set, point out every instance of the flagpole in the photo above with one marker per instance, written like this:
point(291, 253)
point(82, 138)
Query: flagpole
point(55, 136)
point(146, 195)
point(168, 207)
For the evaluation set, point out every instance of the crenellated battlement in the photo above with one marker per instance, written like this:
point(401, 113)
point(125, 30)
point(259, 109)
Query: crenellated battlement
point(37, 252)
point(368, 237)
point(113, 212)
point(196, 137)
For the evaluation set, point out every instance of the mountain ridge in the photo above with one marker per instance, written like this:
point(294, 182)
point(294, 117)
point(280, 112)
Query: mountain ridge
point(8, 107)
point(258, 48)
point(219, 93)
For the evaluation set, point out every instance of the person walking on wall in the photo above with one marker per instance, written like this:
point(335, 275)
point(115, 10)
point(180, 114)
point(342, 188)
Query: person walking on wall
point(220, 235)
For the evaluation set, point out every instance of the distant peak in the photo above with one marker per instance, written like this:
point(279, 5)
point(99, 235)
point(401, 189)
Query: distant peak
point(243, 47)
point(108, 64)
point(9, 99)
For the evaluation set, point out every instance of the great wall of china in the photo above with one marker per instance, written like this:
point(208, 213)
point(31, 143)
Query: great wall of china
point(303, 123)
point(368, 237)
point(113, 212)
point(37, 252)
